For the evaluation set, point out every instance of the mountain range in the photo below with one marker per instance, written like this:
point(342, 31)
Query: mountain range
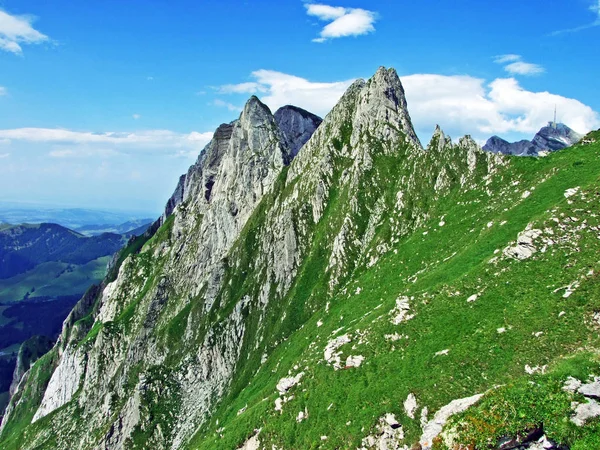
point(550, 138)
point(334, 284)
point(73, 218)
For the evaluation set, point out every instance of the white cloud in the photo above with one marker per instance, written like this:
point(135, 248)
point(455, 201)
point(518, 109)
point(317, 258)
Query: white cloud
point(343, 21)
point(2, 91)
point(467, 105)
point(523, 68)
point(325, 12)
point(201, 138)
point(136, 116)
point(81, 144)
point(18, 30)
point(223, 104)
point(460, 104)
point(281, 89)
point(501, 59)
point(595, 8)
point(517, 66)
point(4, 155)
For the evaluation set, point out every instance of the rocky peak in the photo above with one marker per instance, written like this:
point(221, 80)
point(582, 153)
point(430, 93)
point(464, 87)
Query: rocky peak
point(549, 139)
point(297, 126)
point(290, 129)
point(382, 107)
point(439, 140)
point(255, 112)
point(553, 138)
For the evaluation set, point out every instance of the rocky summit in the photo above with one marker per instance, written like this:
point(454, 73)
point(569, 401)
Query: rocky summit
point(338, 285)
point(549, 139)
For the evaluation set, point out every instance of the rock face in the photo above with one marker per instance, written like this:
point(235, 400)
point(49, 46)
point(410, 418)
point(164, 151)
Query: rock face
point(297, 126)
point(548, 139)
point(29, 352)
point(176, 198)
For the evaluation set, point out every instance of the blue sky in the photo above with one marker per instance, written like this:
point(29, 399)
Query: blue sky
point(104, 104)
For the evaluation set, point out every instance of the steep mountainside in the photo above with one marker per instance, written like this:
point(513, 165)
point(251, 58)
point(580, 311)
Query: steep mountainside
point(371, 294)
point(44, 270)
point(548, 139)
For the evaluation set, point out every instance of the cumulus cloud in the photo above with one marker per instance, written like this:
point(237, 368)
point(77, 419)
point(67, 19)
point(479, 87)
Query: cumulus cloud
point(82, 144)
point(281, 89)
point(461, 104)
point(595, 9)
point(465, 104)
point(343, 22)
point(515, 65)
point(16, 31)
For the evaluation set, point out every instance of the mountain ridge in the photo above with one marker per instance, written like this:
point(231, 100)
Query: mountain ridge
point(550, 138)
point(292, 304)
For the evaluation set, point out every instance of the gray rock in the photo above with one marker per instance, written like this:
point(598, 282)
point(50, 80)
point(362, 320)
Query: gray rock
point(176, 198)
point(433, 428)
point(585, 412)
point(591, 390)
point(297, 126)
point(410, 405)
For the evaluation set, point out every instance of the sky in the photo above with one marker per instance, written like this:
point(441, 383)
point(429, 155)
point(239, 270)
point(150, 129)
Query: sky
point(103, 104)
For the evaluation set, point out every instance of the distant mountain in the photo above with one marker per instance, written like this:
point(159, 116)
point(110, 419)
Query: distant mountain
point(548, 139)
point(73, 218)
point(130, 228)
point(23, 247)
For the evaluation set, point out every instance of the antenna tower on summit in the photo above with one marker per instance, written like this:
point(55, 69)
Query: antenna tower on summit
point(554, 123)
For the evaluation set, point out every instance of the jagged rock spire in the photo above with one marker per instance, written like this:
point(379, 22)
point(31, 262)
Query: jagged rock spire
point(439, 140)
point(383, 101)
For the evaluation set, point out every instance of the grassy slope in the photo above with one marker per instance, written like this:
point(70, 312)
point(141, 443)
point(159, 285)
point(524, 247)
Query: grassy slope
point(448, 259)
point(516, 295)
point(20, 428)
point(53, 279)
